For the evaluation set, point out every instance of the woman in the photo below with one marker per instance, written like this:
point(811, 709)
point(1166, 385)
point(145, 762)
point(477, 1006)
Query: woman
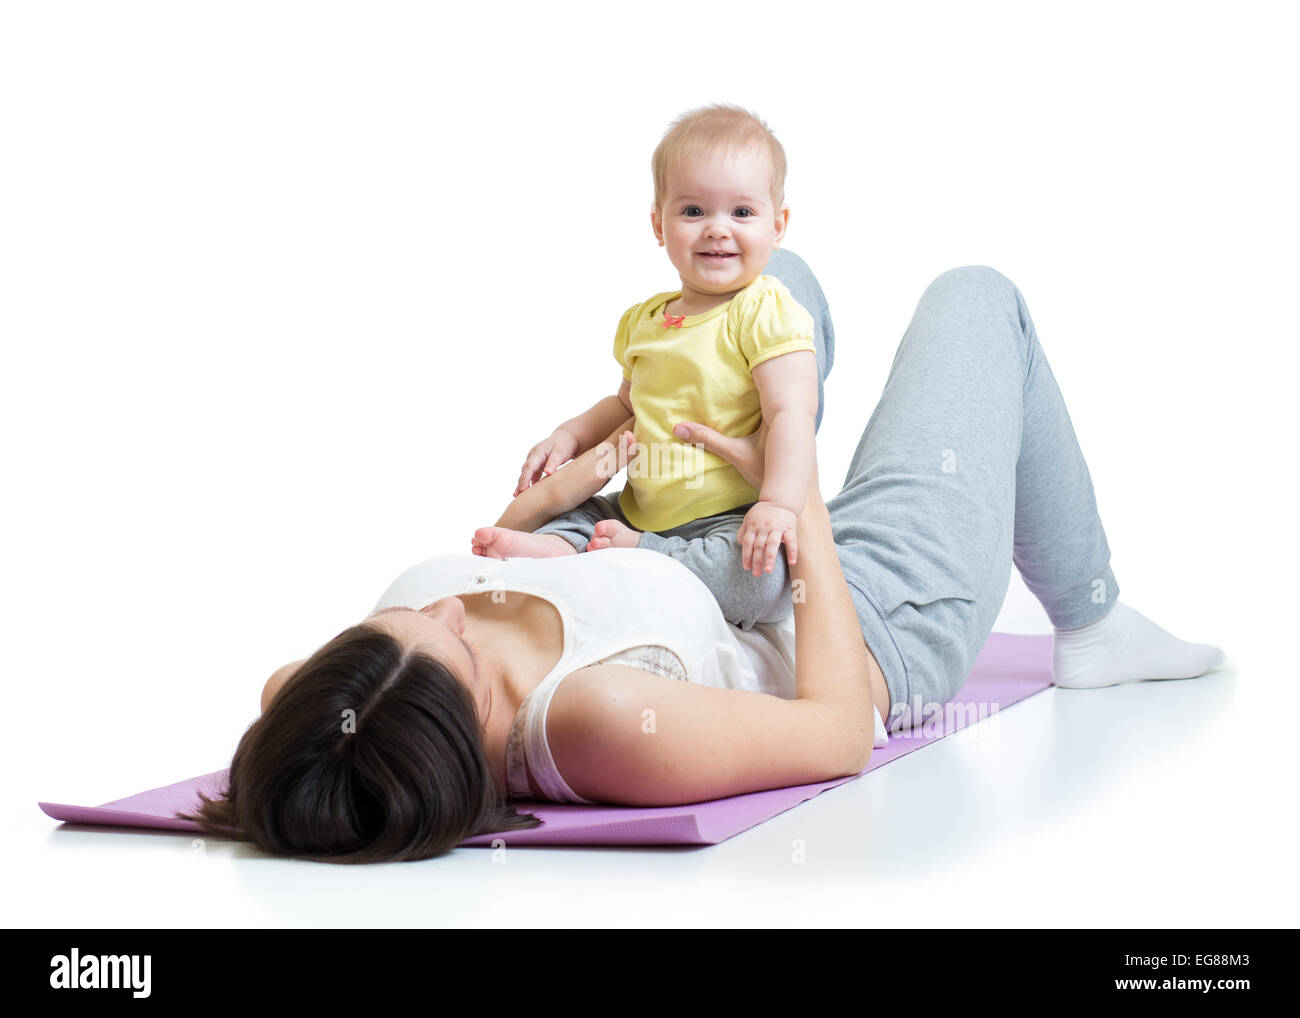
point(478, 680)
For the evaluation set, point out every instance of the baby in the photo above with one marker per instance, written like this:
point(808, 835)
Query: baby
point(731, 349)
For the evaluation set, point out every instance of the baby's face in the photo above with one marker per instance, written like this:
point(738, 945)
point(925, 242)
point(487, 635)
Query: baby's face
point(721, 203)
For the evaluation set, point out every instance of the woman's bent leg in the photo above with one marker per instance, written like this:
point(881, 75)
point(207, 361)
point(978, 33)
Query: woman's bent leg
point(1060, 545)
point(968, 461)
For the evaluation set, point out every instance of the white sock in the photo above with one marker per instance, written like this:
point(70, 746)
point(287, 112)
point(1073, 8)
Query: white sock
point(1125, 646)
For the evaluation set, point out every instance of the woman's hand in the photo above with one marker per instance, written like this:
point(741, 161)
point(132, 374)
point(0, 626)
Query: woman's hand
point(746, 454)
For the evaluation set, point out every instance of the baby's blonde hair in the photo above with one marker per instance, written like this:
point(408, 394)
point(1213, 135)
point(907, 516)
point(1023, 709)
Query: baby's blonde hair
point(711, 129)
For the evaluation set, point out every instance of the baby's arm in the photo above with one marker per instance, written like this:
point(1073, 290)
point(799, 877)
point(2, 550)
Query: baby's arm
point(574, 437)
point(580, 434)
point(592, 428)
point(787, 392)
point(579, 480)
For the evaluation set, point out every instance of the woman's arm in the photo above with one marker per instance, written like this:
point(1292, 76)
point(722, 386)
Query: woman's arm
point(833, 666)
point(572, 484)
point(707, 743)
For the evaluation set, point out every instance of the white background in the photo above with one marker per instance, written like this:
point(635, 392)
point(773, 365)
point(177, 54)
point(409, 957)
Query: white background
point(287, 290)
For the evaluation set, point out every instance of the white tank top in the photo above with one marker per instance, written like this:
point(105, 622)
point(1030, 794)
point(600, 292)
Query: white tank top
point(630, 605)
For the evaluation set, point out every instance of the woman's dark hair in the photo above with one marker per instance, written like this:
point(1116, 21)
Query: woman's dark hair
point(369, 753)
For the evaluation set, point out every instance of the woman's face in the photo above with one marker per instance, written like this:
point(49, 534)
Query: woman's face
point(437, 629)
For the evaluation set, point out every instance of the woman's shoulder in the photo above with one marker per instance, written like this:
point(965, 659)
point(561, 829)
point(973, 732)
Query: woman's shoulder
point(598, 576)
point(440, 574)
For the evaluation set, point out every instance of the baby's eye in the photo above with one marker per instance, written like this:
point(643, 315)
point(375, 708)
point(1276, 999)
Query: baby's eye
point(748, 213)
point(691, 210)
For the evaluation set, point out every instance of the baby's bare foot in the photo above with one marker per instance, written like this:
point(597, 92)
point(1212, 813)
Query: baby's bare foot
point(500, 542)
point(612, 534)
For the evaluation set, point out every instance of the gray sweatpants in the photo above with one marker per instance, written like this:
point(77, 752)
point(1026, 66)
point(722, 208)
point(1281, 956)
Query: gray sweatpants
point(709, 546)
point(968, 463)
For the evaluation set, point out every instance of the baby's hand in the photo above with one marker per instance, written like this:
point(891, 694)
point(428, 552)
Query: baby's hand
point(766, 525)
point(546, 457)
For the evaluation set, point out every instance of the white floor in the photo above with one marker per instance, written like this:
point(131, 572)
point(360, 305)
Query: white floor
point(1158, 804)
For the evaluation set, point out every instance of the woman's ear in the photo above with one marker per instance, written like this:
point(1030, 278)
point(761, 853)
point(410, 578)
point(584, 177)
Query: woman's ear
point(278, 678)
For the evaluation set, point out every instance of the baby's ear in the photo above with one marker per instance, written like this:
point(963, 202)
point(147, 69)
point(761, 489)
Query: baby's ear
point(782, 224)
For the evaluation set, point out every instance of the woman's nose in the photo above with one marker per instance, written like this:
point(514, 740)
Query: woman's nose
point(450, 611)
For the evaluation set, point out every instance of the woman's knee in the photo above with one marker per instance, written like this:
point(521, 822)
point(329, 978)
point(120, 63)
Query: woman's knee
point(982, 291)
point(972, 280)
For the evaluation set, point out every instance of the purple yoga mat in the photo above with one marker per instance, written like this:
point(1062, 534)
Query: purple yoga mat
point(1008, 669)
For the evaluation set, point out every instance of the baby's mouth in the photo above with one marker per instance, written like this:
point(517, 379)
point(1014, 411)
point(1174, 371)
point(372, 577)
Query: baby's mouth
point(715, 256)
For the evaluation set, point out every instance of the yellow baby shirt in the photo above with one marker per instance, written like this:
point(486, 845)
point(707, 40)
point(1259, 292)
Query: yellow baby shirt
point(697, 368)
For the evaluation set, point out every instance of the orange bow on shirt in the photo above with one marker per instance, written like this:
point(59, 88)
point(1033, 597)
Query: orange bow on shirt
point(673, 321)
